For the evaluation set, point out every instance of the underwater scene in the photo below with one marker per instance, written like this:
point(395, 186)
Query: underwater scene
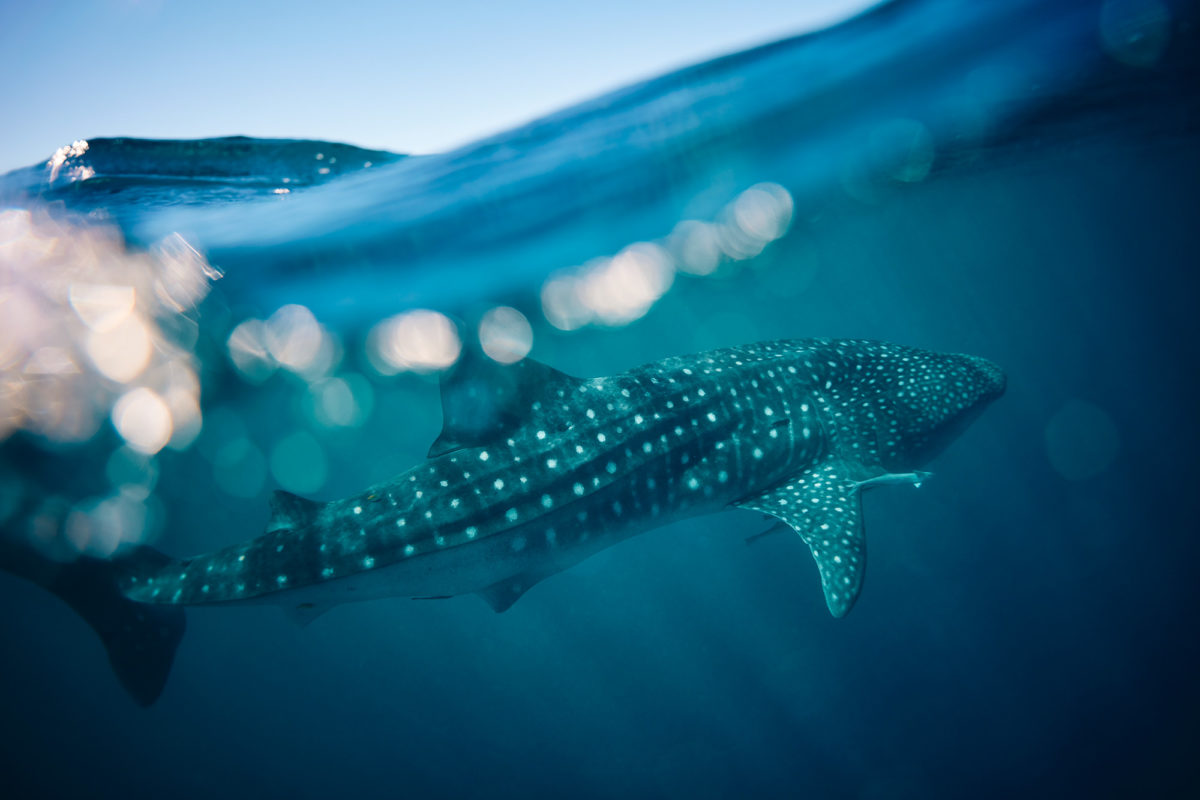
point(562, 452)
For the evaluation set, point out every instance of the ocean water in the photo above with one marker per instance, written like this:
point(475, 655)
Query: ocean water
point(187, 326)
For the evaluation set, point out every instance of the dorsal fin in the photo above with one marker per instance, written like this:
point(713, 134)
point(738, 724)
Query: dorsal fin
point(291, 511)
point(483, 399)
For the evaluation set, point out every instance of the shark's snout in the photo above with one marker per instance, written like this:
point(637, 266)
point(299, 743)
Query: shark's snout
point(992, 380)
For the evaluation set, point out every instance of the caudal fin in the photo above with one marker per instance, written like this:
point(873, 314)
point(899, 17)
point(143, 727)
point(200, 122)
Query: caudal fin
point(140, 639)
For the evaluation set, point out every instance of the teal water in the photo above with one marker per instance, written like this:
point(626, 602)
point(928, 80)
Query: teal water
point(1016, 182)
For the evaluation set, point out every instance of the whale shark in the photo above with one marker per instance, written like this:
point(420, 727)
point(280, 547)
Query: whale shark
point(535, 470)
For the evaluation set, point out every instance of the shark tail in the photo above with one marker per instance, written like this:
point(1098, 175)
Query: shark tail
point(140, 639)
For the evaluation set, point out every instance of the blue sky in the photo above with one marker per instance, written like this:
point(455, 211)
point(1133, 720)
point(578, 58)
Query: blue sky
point(416, 76)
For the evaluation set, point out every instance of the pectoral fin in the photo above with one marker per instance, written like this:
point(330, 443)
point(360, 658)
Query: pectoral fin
point(824, 505)
point(303, 614)
point(501, 595)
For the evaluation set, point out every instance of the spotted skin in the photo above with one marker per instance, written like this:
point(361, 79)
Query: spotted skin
point(563, 467)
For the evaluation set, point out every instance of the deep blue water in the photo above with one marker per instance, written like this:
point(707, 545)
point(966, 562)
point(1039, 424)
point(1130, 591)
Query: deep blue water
point(1019, 181)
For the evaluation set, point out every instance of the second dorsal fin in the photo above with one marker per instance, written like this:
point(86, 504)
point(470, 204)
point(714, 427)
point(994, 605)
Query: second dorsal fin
point(290, 511)
point(483, 399)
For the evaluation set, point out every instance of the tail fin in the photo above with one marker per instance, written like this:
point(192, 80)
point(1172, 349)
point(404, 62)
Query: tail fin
point(140, 639)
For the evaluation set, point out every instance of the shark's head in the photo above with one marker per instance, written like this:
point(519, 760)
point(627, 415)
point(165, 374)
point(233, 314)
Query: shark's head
point(908, 403)
point(929, 399)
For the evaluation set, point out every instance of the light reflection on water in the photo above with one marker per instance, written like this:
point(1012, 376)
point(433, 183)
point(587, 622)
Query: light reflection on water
point(86, 323)
point(613, 292)
point(92, 333)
